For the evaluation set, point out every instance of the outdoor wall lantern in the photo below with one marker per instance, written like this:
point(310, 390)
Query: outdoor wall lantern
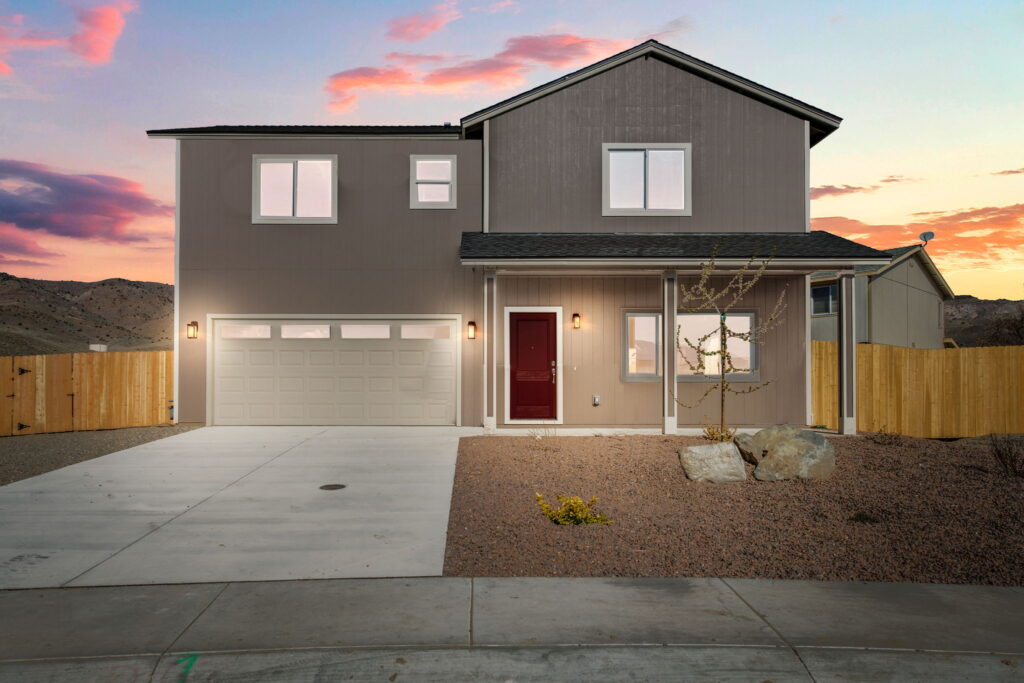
point(192, 330)
point(471, 331)
point(576, 321)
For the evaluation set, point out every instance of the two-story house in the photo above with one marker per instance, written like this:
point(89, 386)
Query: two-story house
point(519, 269)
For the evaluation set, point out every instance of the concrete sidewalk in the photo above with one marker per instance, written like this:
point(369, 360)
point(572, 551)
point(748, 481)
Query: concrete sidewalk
point(527, 629)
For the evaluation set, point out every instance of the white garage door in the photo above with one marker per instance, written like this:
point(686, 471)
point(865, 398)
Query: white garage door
point(334, 372)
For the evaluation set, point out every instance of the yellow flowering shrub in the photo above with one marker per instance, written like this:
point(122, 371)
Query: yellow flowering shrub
point(572, 510)
point(713, 433)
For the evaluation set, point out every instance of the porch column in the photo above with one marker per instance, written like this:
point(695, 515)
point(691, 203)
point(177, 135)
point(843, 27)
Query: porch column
point(669, 301)
point(846, 337)
point(490, 346)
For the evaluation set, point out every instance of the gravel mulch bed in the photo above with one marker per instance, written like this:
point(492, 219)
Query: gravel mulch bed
point(29, 455)
point(917, 510)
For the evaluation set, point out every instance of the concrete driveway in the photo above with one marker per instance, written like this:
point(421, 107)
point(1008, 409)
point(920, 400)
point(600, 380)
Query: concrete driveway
point(237, 504)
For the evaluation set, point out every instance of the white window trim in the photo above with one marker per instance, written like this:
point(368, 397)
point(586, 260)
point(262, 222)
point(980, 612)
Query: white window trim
point(625, 374)
point(414, 201)
point(755, 356)
point(557, 310)
point(258, 219)
point(687, 148)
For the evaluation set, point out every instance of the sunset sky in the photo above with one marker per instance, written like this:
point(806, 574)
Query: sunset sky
point(932, 94)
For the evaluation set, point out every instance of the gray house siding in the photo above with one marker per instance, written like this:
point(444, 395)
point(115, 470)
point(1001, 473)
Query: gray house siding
point(825, 327)
point(905, 308)
point(900, 307)
point(380, 258)
point(545, 156)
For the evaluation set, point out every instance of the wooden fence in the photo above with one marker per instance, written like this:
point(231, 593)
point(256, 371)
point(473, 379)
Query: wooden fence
point(84, 391)
point(931, 393)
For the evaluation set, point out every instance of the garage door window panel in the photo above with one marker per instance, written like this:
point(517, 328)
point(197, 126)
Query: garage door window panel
point(305, 331)
point(245, 332)
point(366, 331)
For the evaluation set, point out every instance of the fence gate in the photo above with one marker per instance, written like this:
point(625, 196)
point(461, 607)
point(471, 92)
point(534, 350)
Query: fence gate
point(42, 400)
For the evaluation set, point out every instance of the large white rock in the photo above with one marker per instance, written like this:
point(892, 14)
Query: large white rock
point(717, 463)
point(807, 455)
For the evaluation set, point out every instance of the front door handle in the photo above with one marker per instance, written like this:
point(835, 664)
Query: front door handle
point(553, 375)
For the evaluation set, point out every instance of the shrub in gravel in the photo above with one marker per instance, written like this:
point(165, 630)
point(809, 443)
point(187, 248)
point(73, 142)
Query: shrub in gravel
point(573, 510)
point(1009, 453)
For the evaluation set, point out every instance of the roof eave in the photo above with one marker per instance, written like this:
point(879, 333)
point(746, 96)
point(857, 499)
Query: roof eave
point(649, 261)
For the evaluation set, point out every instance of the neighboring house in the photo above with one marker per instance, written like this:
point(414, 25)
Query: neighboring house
point(518, 270)
point(899, 304)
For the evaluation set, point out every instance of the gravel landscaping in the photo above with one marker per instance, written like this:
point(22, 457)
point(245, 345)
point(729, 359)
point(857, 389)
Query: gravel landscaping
point(913, 510)
point(26, 456)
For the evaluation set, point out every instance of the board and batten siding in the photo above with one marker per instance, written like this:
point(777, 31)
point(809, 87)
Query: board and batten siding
point(905, 308)
point(781, 360)
point(545, 156)
point(380, 258)
point(591, 355)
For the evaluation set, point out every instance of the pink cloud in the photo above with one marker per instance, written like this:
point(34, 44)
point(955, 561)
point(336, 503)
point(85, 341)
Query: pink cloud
point(34, 197)
point(839, 190)
point(505, 69)
point(99, 29)
point(420, 25)
point(500, 6)
point(17, 242)
point(987, 237)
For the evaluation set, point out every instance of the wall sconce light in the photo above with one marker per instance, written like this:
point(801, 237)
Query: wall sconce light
point(576, 321)
point(471, 331)
point(192, 330)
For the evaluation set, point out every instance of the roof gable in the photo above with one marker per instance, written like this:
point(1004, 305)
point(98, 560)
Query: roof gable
point(822, 123)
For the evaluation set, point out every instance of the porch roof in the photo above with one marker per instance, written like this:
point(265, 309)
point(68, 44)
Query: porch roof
point(652, 249)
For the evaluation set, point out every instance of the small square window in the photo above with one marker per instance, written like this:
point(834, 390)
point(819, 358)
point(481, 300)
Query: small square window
point(305, 331)
point(357, 331)
point(292, 189)
point(426, 331)
point(646, 179)
point(432, 181)
point(245, 331)
point(642, 349)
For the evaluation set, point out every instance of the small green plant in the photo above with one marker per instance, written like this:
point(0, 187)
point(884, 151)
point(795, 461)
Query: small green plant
point(718, 433)
point(573, 510)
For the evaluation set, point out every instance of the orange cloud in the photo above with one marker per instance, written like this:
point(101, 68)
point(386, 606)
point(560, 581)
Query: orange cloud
point(505, 69)
point(839, 190)
point(1010, 171)
point(99, 29)
point(418, 26)
point(978, 238)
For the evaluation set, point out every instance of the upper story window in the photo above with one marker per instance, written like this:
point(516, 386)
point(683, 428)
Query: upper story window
point(824, 299)
point(294, 189)
point(432, 181)
point(646, 179)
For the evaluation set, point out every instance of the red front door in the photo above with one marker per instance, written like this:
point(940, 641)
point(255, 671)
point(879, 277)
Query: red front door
point(532, 373)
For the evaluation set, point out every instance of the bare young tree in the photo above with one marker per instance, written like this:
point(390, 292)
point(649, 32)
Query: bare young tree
point(713, 347)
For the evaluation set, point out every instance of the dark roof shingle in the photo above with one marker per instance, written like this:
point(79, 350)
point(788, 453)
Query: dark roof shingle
point(731, 245)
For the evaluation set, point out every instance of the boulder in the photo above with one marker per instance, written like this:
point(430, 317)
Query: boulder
point(753, 447)
point(805, 455)
point(716, 463)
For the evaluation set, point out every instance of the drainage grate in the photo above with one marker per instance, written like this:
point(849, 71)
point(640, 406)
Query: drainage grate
point(332, 487)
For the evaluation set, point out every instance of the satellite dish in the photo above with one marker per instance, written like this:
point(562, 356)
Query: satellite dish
point(926, 237)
